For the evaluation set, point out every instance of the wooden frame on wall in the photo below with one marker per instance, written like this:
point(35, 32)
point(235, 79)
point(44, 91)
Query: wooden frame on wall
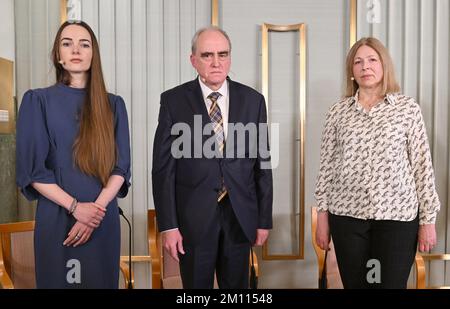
point(215, 13)
point(300, 28)
point(63, 10)
point(7, 106)
point(353, 20)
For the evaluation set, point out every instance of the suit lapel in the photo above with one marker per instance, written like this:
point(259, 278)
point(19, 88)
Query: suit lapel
point(196, 101)
point(235, 103)
point(235, 108)
point(195, 98)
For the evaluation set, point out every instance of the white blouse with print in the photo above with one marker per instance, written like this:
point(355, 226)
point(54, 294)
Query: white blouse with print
point(377, 164)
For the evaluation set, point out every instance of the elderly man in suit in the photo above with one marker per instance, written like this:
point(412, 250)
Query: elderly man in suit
point(214, 201)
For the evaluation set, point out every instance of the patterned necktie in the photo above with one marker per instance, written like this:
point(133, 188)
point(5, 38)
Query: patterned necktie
point(217, 122)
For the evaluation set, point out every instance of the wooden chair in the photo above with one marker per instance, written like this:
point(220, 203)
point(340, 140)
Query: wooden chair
point(332, 272)
point(421, 269)
point(17, 256)
point(166, 270)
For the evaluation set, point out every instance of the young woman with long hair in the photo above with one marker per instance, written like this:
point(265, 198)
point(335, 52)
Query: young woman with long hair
point(73, 156)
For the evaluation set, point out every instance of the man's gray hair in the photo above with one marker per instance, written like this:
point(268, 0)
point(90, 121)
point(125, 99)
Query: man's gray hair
point(209, 28)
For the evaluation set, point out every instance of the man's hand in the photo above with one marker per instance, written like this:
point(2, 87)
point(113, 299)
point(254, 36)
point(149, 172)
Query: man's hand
point(172, 241)
point(427, 237)
point(261, 237)
point(323, 230)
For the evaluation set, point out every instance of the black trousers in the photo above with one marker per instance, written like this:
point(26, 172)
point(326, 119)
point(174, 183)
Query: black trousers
point(225, 250)
point(374, 253)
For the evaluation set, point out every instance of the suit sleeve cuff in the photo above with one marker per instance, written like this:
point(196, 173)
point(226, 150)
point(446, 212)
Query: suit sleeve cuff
point(168, 230)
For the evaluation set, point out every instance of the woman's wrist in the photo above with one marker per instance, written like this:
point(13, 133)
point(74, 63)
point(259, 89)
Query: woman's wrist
point(73, 206)
point(101, 203)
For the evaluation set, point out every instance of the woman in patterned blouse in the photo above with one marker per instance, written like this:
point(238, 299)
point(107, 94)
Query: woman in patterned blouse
point(375, 190)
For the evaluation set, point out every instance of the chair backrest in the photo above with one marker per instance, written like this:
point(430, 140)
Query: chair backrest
point(422, 264)
point(17, 268)
point(165, 269)
point(332, 271)
point(17, 255)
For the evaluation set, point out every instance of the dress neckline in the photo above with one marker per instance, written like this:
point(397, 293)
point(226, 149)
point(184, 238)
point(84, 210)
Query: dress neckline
point(71, 89)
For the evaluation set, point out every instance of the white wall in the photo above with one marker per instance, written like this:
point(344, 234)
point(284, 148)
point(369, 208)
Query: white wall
point(36, 24)
point(7, 33)
point(7, 48)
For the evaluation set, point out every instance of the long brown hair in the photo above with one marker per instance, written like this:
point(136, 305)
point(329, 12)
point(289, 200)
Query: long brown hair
point(94, 149)
point(389, 82)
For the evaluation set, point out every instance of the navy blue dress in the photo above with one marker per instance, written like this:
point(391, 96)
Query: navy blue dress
point(47, 126)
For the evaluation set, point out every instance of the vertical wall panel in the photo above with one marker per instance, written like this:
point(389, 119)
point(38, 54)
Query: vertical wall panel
point(203, 12)
point(155, 82)
point(34, 40)
point(441, 101)
point(123, 67)
point(284, 109)
point(425, 91)
point(40, 48)
point(23, 50)
point(395, 35)
point(106, 33)
point(380, 19)
point(89, 14)
point(187, 28)
point(171, 43)
point(23, 68)
point(52, 28)
point(140, 134)
point(426, 63)
point(411, 57)
point(363, 27)
point(123, 47)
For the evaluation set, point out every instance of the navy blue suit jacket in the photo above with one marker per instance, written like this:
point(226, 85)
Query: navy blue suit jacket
point(185, 189)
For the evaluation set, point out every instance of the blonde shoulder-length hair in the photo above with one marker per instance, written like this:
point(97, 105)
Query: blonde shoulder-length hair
point(390, 84)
